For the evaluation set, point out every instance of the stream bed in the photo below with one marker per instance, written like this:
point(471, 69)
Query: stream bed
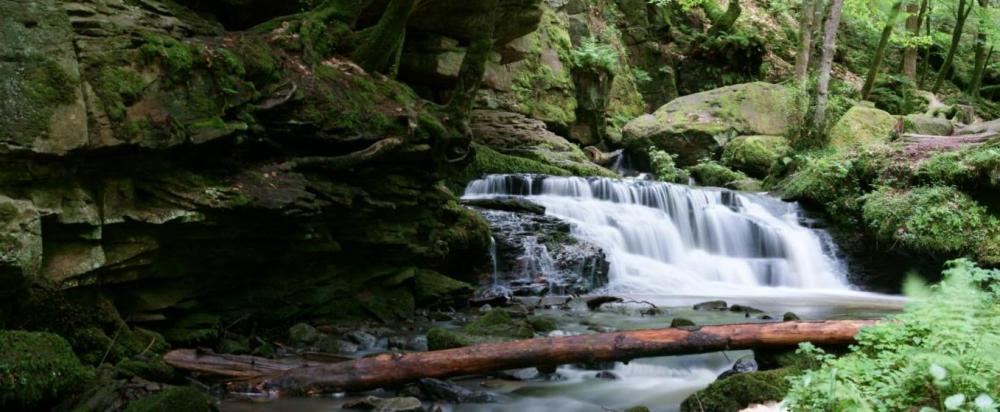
point(667, 245)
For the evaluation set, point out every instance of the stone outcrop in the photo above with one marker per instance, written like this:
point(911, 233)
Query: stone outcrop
point(698, 126)
point(862, 126)
point(192, 175)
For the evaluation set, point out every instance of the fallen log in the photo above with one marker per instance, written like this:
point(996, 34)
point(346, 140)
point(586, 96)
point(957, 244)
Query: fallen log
point(231, 366)
point(396, 369)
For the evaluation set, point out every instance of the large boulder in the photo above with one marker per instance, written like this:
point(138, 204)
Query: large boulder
point(862, 126)
point(926, 124)
point(699, 125)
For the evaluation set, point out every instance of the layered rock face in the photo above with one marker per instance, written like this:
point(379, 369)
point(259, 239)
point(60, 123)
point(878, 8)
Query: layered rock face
point(184, 172)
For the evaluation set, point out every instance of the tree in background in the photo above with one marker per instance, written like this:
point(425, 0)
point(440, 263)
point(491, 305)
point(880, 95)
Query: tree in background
point(883, 42)
point(961, 15)
point(830, 29)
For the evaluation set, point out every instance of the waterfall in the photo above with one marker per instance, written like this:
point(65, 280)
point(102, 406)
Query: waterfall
point(672, 239)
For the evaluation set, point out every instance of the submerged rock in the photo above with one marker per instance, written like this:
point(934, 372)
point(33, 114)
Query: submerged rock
point(607, 375)
point(712, 305)
point(438, 390)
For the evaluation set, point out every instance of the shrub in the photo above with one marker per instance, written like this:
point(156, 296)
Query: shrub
point(664, 168)
point(940, 354)
point(827, 179)
point(595, 56)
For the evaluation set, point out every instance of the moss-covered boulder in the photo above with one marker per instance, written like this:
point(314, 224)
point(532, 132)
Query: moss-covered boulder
point(862, 126)
point(432, 288)
point(934, 219)
point(494, 326)
point(178, 398)
point(37, 369)
point(754, 155)
point(926, 124)
point(698, 126)
point(737, 391)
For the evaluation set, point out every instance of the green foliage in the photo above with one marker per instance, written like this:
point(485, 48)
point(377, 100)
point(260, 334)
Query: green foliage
point(934, 219)
point(897, 95)
point(711, 173)
point(593, 55)
point(977, 167)
point(178, 398)
point(37, 369)
point(827, 179)
point(664, 168)
point(940, 354)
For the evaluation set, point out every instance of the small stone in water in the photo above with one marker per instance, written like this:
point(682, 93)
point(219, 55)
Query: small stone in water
point(680, 322)
point(712, 305)
point(363, 339)
point(439, 390)
point(789, 316)
point(606, 375)
point(745, 309)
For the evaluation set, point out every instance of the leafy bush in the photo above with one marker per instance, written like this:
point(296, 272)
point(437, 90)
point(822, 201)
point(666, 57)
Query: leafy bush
point(940, 354)
point(934, 219)
point(664, 168)
point(826, 179)
point(711, 173)
point(595, 56)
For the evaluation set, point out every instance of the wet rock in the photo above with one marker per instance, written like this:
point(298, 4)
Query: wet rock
point(740, 390)
point(303, 333)
point(789, 316)
point(418, 343)
point(596, 302)
point(742, 365)
point(439, 390)
point(744, 309)
point(681, 322)
point(712, 305)
point(639, 408)
point(606, 375)
point(509, 204)
point(523, 374)
point(537, 253)
point(543, 323)
point(374, 403)
point(364, 340)
point(330, 344)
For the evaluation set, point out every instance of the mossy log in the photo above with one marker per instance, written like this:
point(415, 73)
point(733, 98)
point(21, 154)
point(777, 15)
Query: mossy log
point(395, 369)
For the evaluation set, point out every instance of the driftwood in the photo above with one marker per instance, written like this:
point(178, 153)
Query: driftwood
point(396, 369)
point(230, 366)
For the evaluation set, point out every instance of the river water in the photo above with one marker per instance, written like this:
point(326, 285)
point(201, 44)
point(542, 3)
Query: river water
point(673, 246)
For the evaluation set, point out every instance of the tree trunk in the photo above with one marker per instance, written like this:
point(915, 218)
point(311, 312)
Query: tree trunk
point(956, 38)
point(914, 14)
point(470, 75)
point(723, 23)
point(883, 42)
point(979, 67)
point(826, 64)
point(805, 42)
point(383, 43)
point(395, 369)
point(927, 52)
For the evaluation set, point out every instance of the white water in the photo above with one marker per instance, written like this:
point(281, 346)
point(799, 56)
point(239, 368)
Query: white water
point(675, 240)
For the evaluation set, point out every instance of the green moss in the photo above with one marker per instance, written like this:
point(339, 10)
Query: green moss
point(664, 167)
point(488, 161)
point(935, 219)
point(498, 323)
point(711, 173)
point(32, 90)
point(193, 329)
point(178, 57)
point(438, 338)
point(736, 392)
point(153, 370)
point(178, 398)
point(432, 288)
point(754, 155)
point(977, 167)
point(118, 87)
point(542, 323)
point(37, 369)
point(862, 126)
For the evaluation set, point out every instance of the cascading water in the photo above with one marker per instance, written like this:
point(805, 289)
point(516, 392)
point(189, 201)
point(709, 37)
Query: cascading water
point(669, 239)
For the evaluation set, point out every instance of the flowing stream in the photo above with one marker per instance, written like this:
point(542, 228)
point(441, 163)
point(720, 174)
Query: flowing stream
point(672, 245)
